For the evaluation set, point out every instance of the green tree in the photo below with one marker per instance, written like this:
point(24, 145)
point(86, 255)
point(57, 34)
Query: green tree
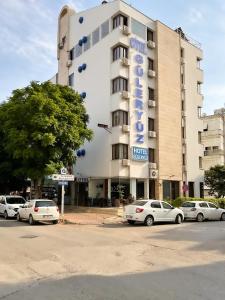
point(42, 125)
point(215, 180)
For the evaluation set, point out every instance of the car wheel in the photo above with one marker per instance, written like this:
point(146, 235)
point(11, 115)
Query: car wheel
point(178, 219)
point(6, 215)
point(200, 218)
point(55, 222)
point(149, 221)
point(222, 217)
point(131, 222)
point(31, 220)
point(18, 217)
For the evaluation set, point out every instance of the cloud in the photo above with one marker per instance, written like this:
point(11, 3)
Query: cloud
point(195, 15)
point(22, 28)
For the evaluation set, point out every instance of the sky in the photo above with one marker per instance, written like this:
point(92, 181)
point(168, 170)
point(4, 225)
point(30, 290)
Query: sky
point(28, 31)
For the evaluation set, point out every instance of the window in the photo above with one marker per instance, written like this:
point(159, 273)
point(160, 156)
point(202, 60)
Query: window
point(150, 64)
point(181, 52)
point(182, 78)
point(191, 189)
point(182, 105)
point(188, 204)
point(156, 204)
point(207, 148)
point(119, 151)
point(183, 132)
point(105, 29)
point(150, 35)
point(199, 111)
point(199, 137)
point(166, 205)
point(71, 79)
point(120, 52)
point(151, 94)
point(71, 54)
point(119, 84)
point(151, 125)
point(211, 205)
point(198, 62)
point(200, 162)
point(87, 45)
point(215, 147)
point(119, 117)
point(78, 50)
point(138, 28)
point(199, 87)
point(203, 204)
point(95, 36)
point(183, 159)
point(120, 20)
point(151, 155)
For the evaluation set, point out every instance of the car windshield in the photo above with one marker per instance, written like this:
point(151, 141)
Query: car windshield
point(139, 203)
point(15, 200)
point(188, 204)
point(44, 203)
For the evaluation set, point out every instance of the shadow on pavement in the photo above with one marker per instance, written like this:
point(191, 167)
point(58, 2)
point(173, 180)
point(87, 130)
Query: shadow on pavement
point(194, 283)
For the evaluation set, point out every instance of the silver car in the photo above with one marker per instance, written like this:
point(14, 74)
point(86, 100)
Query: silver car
point(202, 210)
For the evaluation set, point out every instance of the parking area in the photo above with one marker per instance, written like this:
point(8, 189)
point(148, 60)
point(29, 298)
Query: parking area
point(112, 261)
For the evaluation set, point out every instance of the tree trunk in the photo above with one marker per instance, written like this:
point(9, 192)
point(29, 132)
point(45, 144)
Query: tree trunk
point(37, 188)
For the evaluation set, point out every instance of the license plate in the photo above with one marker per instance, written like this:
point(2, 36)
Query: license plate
point(47, 216)
point(129, 217)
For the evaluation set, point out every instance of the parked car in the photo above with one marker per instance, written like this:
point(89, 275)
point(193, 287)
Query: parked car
point(151, 211)
point(39, 210)
point(49, 192)
point(202, 210)
point(9, 205)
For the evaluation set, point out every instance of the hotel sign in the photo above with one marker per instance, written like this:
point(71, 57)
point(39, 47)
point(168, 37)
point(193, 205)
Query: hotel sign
point(138, 92)
point(139, 154)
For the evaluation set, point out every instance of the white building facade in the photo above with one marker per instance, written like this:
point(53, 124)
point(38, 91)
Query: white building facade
point(141, 84)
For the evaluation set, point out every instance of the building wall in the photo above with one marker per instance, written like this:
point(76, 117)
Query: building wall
point(169, 144)
point(193, 122)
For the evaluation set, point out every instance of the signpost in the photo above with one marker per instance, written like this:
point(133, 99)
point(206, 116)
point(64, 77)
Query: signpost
point(63, 179)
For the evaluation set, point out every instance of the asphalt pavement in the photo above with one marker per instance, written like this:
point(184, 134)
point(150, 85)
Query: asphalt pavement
point(112, 262)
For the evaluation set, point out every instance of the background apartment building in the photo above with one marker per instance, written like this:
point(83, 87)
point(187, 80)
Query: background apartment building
point(141, 81)
point(213, 139)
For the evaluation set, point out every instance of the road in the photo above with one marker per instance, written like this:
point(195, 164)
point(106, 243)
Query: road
point(112, 262)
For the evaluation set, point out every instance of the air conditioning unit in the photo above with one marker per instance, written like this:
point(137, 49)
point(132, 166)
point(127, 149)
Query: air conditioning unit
point(151, 44)
point(151, 103)
point(153, 174)
point(126, 30)
point(125, 162)
point(69, 63)
point(151, 73)
point(183, 86)
point(126, 128)
point(153, 166)
point(182, 60)
point(152, 134)
point(125, 62)
point(125, 95)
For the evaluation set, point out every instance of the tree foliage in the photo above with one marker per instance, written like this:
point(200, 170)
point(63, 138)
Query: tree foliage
point(215, 181)
point(41, 126)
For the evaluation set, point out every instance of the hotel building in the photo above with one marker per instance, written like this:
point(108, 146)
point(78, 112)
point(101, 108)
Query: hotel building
point(141, 84)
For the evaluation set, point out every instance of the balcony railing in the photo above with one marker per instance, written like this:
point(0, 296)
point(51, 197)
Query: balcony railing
point(213, 152)
point(216, 132)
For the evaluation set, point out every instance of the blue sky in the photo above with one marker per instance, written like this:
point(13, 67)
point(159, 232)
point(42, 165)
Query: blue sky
point(28, 31)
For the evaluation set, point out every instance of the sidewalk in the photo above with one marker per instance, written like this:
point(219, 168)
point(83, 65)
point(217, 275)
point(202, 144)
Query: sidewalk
point(87, 216)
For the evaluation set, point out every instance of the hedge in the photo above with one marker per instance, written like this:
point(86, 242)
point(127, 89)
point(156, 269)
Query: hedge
point(178, 201)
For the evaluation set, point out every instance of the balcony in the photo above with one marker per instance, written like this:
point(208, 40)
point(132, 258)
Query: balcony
point(213, 152)
point(212, 133)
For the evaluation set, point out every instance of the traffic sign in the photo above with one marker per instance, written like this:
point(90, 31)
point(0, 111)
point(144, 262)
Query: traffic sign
point(63, 183)
point(63, 171)
point(60, 177)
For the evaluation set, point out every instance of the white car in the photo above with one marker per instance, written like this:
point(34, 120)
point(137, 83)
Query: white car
point(9, 205)
point(151, 211)
point(39, 210)
point(202, 210)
